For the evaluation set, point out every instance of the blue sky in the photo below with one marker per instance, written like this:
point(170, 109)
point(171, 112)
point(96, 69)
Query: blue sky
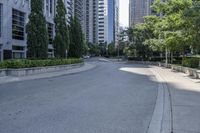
point(124, 13)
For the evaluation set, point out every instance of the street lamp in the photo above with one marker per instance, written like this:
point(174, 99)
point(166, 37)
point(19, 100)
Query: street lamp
point(118, 51)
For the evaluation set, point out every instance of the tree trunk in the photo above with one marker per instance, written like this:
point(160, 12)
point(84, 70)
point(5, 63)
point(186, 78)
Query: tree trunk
point(166, 56)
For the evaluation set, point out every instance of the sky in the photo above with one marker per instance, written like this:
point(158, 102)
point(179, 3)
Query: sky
point(124, 13)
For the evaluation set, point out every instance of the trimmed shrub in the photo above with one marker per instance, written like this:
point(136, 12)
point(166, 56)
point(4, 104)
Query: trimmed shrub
point(38, 63)
point(191, 62)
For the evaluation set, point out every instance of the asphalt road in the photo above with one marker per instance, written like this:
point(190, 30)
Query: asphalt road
point(111, 98)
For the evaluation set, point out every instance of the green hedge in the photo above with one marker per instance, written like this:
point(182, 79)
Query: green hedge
point(37, 63)
point(191, 62)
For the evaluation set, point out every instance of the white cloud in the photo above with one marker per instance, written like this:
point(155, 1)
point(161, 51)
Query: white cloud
point(124, 13)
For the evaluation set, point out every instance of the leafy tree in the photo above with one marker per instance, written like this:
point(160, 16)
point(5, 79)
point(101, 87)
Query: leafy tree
point(192, 28)
point(61, 41)
point(37, 35)
point(94, 49)
point(85, 47)
point(169, 30)
point(76, 39)
point(139, 35)
point(103, 49)
point(111, 49)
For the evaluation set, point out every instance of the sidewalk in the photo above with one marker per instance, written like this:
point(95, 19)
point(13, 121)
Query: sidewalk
point(9, 79)
point(184, 94)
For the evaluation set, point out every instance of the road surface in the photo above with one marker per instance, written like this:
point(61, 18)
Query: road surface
point(107, 99)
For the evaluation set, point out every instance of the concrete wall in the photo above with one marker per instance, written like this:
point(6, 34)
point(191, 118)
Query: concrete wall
point(195, 73)
point(37, 70)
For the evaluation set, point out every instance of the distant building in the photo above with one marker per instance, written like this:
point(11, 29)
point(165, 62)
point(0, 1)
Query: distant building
point(90, 20)
point(78, 10)
point(108, 23)
point(101, 21)
point(69, 4)
point(138, 9)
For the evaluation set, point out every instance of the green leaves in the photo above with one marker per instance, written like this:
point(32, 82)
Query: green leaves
point(76, 39)
point(61, 40)
point(38, 63)
point(37, 35)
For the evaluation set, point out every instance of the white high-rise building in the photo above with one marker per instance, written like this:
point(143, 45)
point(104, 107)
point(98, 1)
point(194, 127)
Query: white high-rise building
point(101, 20)
point(108, 21)
point(69, 4)
point(90, 20)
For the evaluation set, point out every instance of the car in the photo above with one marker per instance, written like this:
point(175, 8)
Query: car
point(86, 56)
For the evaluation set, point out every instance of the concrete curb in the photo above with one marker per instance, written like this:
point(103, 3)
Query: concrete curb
point(161, 121)
point(195, 73)
point(9, 79)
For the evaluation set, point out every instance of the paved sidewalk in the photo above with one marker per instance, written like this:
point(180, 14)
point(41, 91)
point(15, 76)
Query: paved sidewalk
point(185, 101)
point(8, 79)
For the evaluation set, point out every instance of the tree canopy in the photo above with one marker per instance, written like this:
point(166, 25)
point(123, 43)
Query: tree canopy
point(174, 27)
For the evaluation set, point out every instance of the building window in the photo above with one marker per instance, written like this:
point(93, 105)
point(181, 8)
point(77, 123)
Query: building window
point(0, 19)
point(18, 24)
point(50, 32)
point(51, 6)
point(47, 6)
point(18, 52)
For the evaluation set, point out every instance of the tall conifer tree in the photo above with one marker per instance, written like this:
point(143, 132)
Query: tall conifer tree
point(61, 41)
point(37, 34)
point(76, 39)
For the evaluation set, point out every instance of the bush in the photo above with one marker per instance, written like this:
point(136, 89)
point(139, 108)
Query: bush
point(37, 63)
point(191, 62)
point(132, 58)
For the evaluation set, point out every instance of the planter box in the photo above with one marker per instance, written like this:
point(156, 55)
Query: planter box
point(190, 71)
point(3, 72)
point(40, 70)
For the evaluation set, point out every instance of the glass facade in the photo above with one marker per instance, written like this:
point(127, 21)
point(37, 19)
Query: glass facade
point(18, 24)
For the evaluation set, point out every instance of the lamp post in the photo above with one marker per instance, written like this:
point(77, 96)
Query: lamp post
point(118, 51)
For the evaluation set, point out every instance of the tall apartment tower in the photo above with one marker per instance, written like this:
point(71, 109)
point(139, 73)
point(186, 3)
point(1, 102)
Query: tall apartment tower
point(78, 10)
point(69, 4)
point(90, 20)
point(108, 21)
point(116, 22)
point(138, 9)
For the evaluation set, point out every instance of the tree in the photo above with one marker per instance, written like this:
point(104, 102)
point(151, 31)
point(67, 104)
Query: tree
point(111, 49)
point(85, 47)
point(169, 31)
point(76, 39)
point(192, 28)
point(61, 41)
point(103, 49)
point(37, 35)
point(139, 35)
point(94, 49)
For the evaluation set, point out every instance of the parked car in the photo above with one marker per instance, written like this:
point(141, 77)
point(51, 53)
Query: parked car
point(86, 57)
